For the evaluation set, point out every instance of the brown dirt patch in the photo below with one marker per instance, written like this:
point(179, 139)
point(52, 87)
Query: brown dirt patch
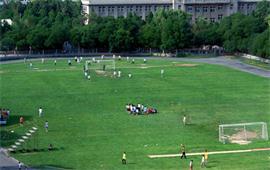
point(186, 65)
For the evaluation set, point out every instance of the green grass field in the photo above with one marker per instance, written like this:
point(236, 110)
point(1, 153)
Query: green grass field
point(90, 128)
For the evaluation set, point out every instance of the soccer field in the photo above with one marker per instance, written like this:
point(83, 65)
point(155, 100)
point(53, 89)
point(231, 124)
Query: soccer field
point(90, 128)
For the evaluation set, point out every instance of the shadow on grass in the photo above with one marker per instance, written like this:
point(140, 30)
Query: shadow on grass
point(25, 151)
point(51, 167)
point(212, 164)
point(8, 138)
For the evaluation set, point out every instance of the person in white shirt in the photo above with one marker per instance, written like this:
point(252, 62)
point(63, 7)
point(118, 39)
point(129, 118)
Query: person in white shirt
point(46, 126)
point(144, 60)
point(40, 112)
point(127, 58)
point(129, 75)
point(203, 162)
point(31, 64)
point(184, 120)
point(114, 74)
point(119, 74)
point(42, 60)
point(20, 165)
point(55, 62)
point(161, 72)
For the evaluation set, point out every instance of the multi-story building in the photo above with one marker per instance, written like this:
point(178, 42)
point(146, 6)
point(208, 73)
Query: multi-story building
point(212, 10)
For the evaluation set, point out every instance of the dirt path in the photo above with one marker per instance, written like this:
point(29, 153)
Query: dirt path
point(209, 153)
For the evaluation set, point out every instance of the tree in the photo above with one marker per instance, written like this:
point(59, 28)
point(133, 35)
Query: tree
point(120, 41)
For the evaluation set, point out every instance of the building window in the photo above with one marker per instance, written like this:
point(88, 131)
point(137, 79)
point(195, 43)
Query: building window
point(248, 6)
point(189, 9)
point(205, 9)
point(198, 9)
point(212, 9)
point(179, 6)
point(220, 7)
point(220, 17)
point(231, 6)
point(212, 19)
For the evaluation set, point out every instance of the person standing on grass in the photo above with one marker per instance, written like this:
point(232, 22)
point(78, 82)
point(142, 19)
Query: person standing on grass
point(183, 151)
point(55, 62)
point(31, 64)
point(205, 157)
point(40, 111)
point(46, 126)
point(184, 120)
point(119, 74)
point(21, 121)
point(161, 73)
point(124, 158)
point(191, 165)
point(203, 162)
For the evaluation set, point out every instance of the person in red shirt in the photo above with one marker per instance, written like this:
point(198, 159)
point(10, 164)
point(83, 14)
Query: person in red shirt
point(21, 121)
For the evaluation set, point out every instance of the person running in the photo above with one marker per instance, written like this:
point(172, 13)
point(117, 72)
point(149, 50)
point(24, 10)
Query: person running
point(203, 162)
point(46, 126)
point(191, 165)
point(183, 151)
point(40, 111)
point(124, 158)
point(184, 120)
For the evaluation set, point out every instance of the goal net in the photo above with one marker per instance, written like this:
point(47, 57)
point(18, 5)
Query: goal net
point(243, 133)
point(100, 65)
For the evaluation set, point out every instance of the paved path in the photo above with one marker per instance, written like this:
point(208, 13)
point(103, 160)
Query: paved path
point(7, 162)
point(209, 153)
point(233, 63)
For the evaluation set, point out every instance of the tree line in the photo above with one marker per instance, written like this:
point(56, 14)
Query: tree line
point(48, 24)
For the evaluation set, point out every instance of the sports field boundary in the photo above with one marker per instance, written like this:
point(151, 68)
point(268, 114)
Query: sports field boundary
point(209, 153)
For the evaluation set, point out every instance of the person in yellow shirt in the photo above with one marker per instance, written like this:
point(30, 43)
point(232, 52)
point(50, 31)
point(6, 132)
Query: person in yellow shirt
point(205, 157)
point(124, 158)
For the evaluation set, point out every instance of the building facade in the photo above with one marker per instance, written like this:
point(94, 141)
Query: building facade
point(212, 10)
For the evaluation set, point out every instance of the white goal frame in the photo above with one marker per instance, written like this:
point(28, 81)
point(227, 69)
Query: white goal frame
point(87, 67)
point(223, 137)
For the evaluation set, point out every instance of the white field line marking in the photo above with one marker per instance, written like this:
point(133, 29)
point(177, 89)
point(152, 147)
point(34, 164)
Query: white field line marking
point(210, 153)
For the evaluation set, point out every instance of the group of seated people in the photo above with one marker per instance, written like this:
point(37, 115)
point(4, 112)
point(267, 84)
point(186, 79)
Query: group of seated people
point(4, 114)
point(140, 109)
